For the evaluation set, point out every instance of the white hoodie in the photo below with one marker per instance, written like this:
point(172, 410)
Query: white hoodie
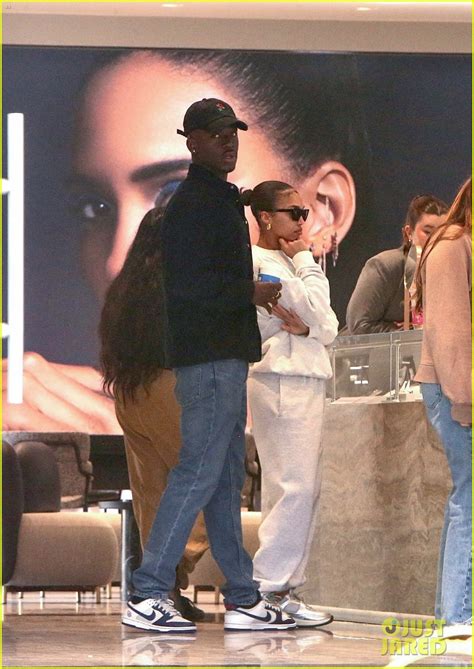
point(306, 291)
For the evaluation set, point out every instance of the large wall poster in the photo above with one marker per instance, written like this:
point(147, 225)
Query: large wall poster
point(102, 148)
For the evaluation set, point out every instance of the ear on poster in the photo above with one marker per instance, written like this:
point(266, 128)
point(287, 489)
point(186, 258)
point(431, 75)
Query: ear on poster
point(329, 192)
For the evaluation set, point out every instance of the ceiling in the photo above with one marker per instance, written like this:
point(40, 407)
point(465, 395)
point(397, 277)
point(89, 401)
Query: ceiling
point(458, 12)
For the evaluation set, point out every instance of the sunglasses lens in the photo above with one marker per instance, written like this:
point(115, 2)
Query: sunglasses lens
point(297, 213)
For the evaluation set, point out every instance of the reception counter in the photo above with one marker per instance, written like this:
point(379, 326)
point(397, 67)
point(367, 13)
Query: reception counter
point(385, 484)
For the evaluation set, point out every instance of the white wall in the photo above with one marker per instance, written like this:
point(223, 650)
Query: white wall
point(292, 35)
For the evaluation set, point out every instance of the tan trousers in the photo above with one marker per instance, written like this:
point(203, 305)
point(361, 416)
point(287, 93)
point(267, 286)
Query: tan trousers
point(152, 442)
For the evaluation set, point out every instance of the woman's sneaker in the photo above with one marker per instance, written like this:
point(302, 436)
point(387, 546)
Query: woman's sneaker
point(261, 616)
point(158, 615)
point(303, 614)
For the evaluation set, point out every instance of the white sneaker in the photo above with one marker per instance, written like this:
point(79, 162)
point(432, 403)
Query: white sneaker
point(156, 614)
point(262, 616)
point(456, 630)
point(303, 614)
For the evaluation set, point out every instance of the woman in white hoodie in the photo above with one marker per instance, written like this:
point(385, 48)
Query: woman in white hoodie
point(287, 395)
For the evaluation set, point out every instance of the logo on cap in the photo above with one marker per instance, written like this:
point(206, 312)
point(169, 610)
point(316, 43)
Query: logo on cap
point(210, 114)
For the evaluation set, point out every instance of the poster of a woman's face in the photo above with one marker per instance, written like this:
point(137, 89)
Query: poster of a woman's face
point(358, 135)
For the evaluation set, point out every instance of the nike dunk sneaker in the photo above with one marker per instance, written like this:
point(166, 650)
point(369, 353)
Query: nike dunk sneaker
point(303, 614)
point(158, 615)
point(261, 616)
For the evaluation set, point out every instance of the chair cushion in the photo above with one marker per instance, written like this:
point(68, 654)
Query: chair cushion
point(65, 549)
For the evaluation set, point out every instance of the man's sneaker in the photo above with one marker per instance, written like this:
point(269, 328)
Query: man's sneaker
point(158, 615)
point(262, 616)
point(303, 614)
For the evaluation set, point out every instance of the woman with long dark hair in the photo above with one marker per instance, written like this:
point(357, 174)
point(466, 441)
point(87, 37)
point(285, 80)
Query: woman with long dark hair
point(133, 366)
point(444, 287)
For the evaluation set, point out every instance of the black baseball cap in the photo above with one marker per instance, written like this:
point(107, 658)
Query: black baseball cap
point(210, 114)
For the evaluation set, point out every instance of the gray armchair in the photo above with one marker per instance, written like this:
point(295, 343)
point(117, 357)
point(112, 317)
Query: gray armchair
point(72, 454)
point(45, 548)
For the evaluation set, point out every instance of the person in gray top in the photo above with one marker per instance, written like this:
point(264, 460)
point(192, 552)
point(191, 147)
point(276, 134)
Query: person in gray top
point(376, 305)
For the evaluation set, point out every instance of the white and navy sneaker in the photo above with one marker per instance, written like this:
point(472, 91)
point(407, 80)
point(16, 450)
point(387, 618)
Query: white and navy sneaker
point(261, 616)
point(158, 615)
point(303, 614)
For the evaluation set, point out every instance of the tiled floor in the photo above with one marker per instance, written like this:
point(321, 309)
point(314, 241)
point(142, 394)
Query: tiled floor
point(58, 632)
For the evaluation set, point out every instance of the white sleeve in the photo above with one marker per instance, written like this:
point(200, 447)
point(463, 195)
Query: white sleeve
point(308, 295)
point(268, 325)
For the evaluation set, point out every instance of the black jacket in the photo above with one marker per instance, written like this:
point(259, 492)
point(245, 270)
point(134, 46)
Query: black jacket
point(208, 276)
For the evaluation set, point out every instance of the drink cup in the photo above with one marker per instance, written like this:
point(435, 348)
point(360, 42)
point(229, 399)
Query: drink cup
point(269, 277)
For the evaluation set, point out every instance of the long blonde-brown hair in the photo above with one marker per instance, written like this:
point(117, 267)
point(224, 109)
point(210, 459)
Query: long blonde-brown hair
point(458, 222)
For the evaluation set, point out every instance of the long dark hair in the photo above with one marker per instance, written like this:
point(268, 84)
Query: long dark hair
point(459, 221)
point(133, 317)
point(329, 125)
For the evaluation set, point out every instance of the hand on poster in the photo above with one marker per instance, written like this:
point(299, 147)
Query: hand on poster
point(59, 398)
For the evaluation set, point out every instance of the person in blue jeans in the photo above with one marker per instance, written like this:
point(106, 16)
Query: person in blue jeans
point(444, 286)
point(212, 335)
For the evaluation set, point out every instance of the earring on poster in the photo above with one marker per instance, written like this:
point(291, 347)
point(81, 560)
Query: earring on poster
point(333, 247)
point(327, 223)
point(268, 226)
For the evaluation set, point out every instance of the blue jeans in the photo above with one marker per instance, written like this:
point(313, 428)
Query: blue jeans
point(209, 476)
point(454, 595)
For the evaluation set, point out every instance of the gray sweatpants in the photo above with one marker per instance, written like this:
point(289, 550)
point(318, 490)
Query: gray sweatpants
point(287, 416)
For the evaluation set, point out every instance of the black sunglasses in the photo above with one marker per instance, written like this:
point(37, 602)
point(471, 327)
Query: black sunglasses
point(296, 213)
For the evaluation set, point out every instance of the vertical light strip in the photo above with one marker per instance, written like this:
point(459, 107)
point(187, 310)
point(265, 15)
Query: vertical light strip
point(15, 134)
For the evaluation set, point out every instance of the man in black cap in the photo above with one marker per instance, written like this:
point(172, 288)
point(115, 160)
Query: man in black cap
point(212, 336)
